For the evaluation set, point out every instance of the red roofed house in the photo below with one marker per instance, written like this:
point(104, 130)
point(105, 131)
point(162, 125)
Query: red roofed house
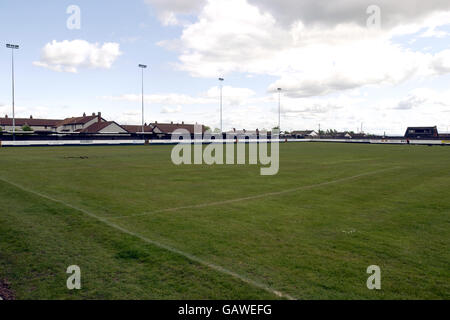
point(93, 124)
point(162, 129)
point(103, 127)
point(138, 129)
point(76, 124)
point(43, 125)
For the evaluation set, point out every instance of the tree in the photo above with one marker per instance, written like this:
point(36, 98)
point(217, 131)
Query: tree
point(26, 127)
point(207, 128)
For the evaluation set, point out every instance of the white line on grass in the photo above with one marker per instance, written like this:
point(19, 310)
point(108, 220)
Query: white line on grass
point(351, 160)
point(159, 244)
point(258, 196)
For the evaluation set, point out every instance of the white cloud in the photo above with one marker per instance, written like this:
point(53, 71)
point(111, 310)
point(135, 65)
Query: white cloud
point(321, 12)
point(171, 10)
point(332, 13)
point(309, 59)
point(176, 109)
point(68, 56)
point(169, 19)
point(410, 102)
point(231, 95)
point(441, 62)
point(177, 6)
point(130, 39)
point(425, 99)
point(163, 99)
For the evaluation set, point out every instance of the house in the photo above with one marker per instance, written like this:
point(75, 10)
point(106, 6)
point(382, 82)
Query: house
point(304, 134)
point(136, 129)
point(343, 135)
point(93, 124)
point(77, 124)
point(421, 132)
point(166, 129)
point(104, 127)
point(37, 125)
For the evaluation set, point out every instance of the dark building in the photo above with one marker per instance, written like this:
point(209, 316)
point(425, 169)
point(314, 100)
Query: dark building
point(421, 133)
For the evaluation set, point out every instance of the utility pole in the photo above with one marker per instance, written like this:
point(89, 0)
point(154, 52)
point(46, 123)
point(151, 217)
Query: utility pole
point(142, 66)
point(279, 110)
point(221, 107)
point(13, 47)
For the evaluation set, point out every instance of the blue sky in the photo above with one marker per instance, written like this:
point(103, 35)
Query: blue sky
point(333, 69)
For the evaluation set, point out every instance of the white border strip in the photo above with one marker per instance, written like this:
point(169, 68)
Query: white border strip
point(50, 143)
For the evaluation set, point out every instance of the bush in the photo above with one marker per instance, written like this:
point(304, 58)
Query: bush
point(26, 128)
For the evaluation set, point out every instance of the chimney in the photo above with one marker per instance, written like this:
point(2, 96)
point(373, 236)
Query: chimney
point(93, 113)
point(182, 122)
point(156, 122)
point(31, 116)
point(99, 117)
point(84, 114)
point(171, 122)
point(234, 129)
point(6, 116)
point(145, 124)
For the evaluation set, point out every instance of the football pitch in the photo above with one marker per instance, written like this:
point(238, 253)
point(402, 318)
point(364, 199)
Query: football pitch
point(140, 227)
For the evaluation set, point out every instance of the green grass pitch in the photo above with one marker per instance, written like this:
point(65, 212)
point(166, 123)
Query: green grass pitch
point(140, 227)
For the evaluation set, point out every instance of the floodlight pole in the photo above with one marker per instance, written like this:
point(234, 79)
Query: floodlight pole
point(279, 110)
point(142, 66)
point(13, 47)
point(221, 107)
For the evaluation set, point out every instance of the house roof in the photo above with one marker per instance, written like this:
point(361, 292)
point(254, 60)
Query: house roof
point(29, 121)
point(168, 128)
point(77, 120)
point(98, 126)
point(137, 129)
point(302, 132)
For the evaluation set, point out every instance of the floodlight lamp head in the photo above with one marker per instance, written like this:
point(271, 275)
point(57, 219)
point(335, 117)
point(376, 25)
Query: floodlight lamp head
point(142, 66)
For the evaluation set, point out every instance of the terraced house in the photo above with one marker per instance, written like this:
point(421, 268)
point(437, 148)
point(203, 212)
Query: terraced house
point(93, 124)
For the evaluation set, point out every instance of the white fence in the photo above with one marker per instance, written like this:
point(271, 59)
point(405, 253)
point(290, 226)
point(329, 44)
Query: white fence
point(156, 142)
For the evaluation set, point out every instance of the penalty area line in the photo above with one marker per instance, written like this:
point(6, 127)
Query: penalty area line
point(258, 196)
point(158, 244)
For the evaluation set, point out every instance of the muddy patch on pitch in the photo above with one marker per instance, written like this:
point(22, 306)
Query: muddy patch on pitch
point(5, 290)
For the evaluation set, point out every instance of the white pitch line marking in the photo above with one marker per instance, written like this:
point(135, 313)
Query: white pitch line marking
point(269, 194)
point(351, 160)
point(159, 244)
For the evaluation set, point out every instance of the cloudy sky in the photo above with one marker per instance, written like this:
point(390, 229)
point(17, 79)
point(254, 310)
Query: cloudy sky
point(384, 64)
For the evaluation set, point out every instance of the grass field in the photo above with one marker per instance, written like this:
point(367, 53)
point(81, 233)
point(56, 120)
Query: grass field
point(141, 228)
